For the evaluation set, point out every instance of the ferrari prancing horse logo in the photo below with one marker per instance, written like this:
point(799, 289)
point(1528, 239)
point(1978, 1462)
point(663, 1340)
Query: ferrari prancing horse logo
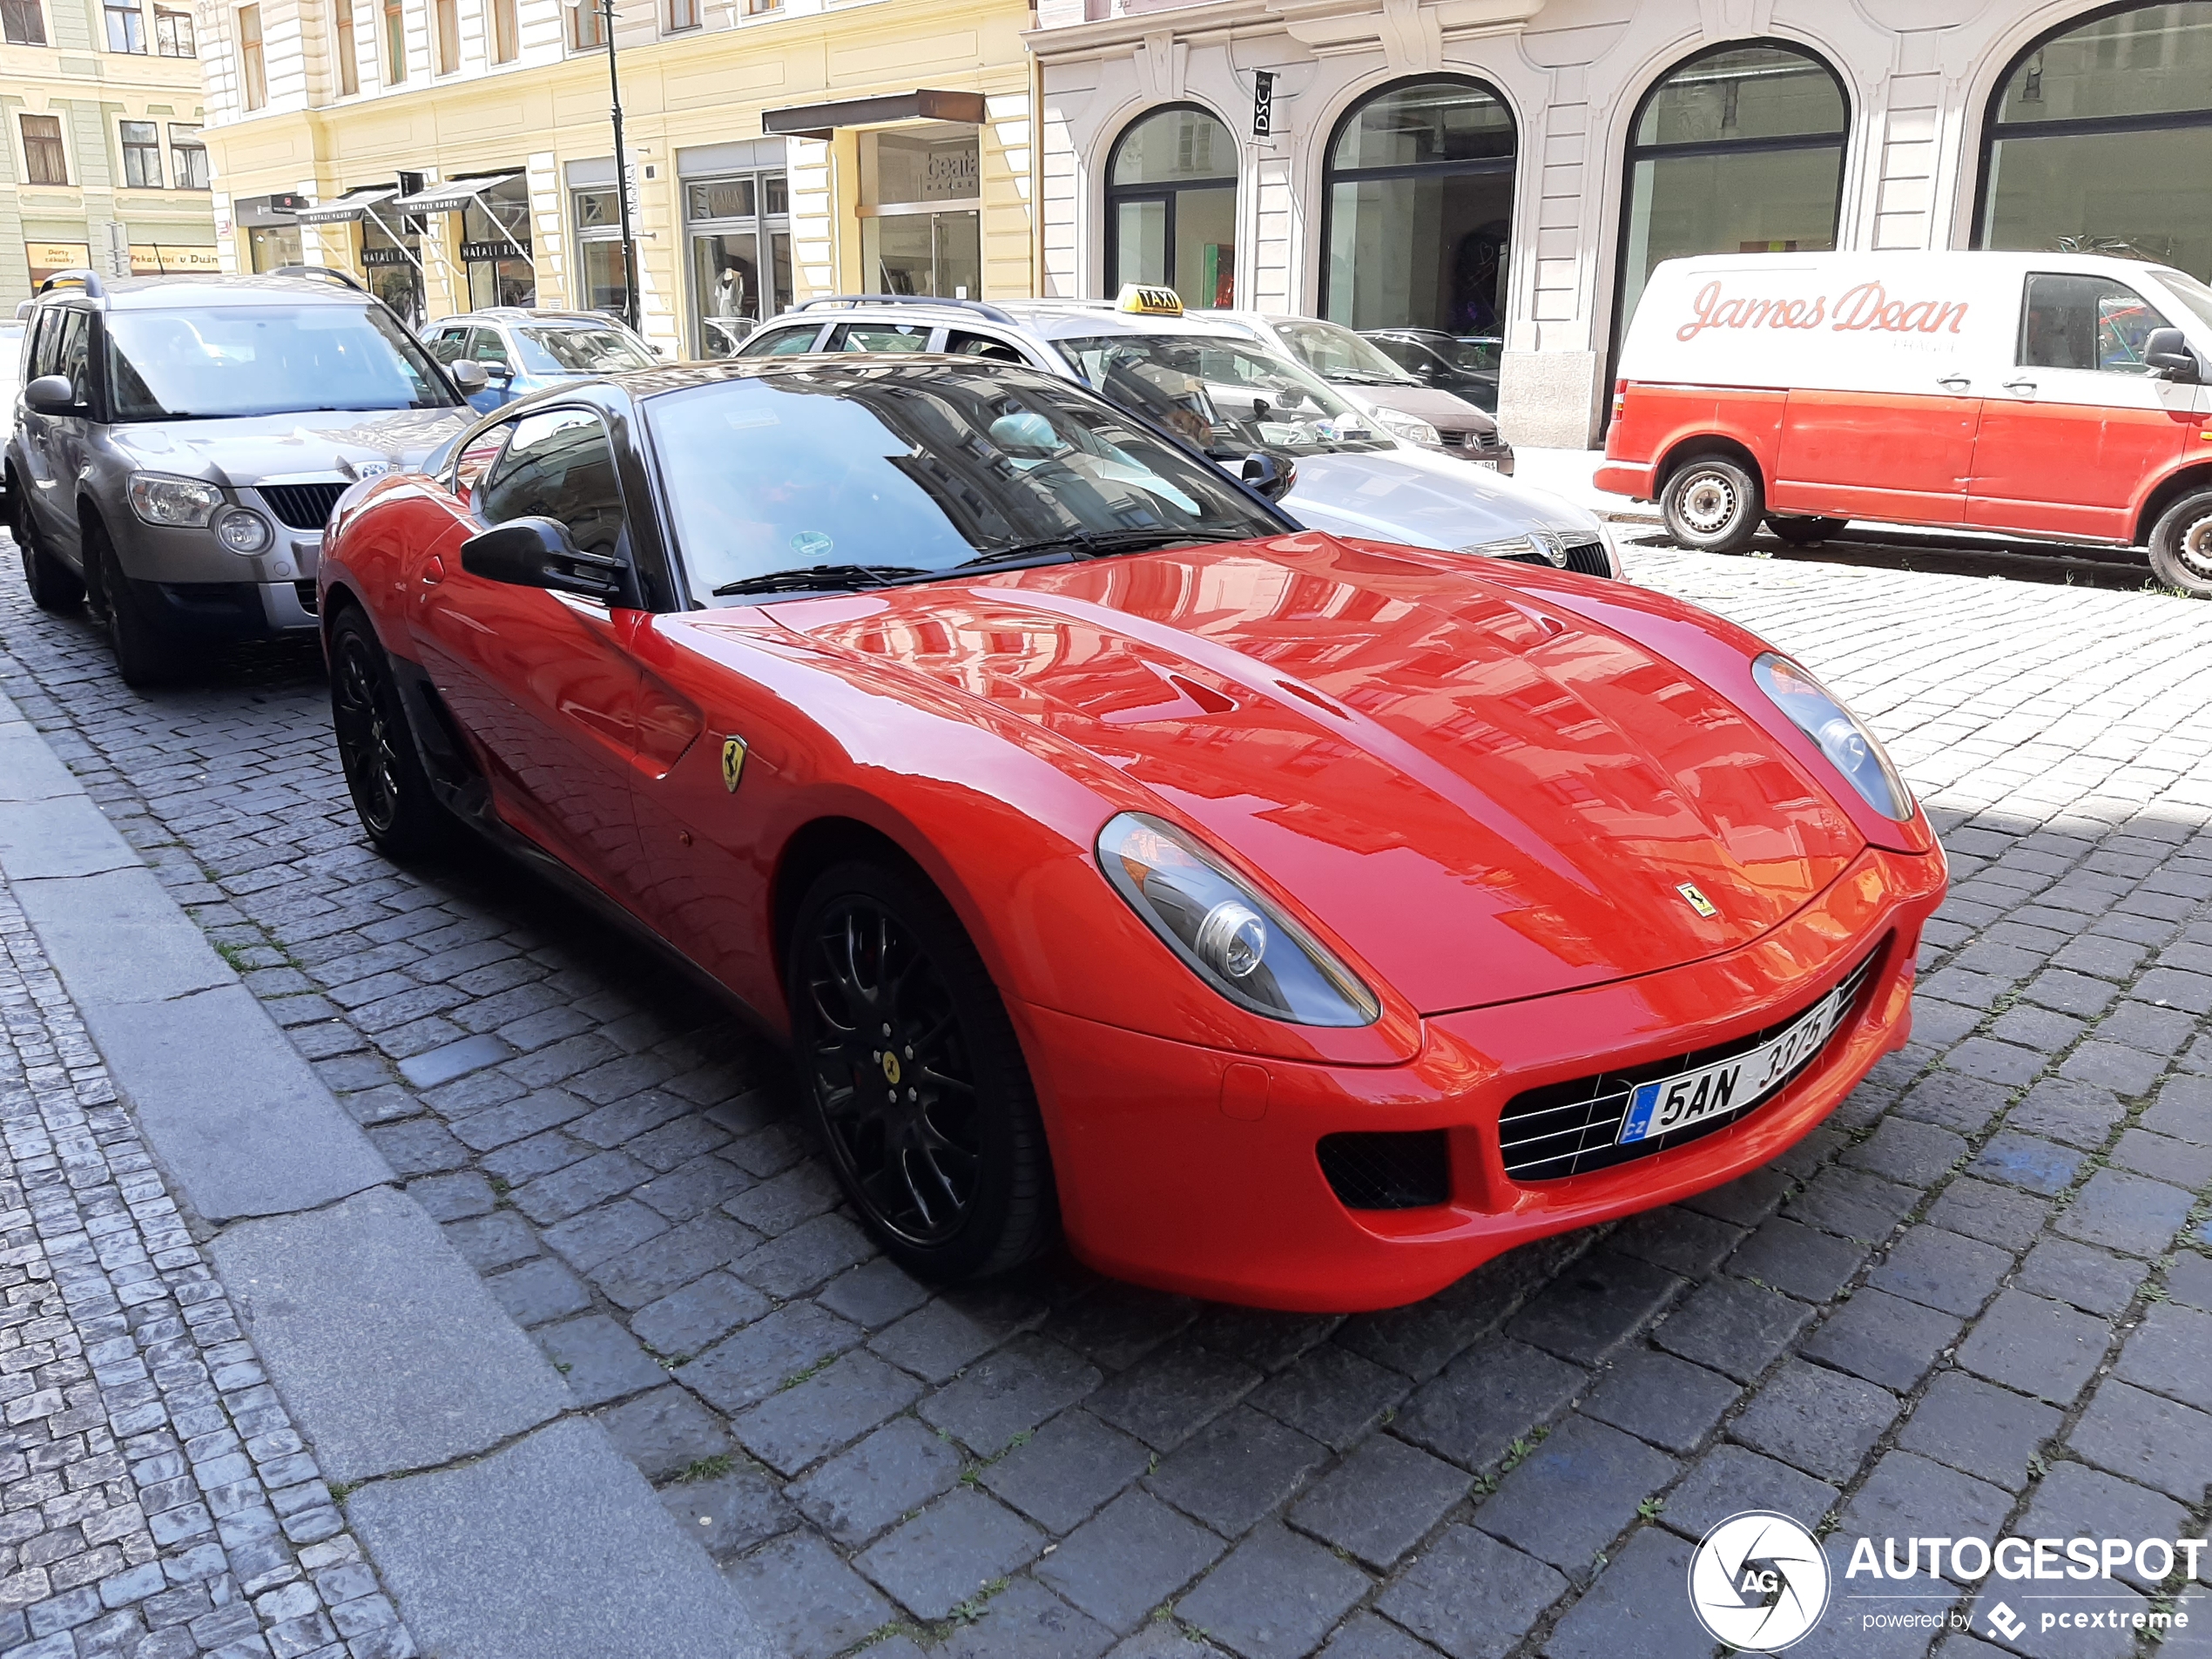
point(732, 763)
point(1697, 901)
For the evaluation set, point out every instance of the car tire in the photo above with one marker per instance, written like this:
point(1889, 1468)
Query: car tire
point(956, 1185)
point(53, 585)
point(1712, 505)
point(2180, 544)
point(1802, 531)
point(145, 654)
point(384, 771)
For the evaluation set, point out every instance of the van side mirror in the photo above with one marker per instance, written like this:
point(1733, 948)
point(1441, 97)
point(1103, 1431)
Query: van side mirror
point(51, 394)
point(1265, 475)
point(2168, 355)
point(535, 552)
point(469, 375)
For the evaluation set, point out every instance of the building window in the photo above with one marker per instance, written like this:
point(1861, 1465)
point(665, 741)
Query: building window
point(739, 229)
point(922, 213)
point(759, 8)
point(448, 35)
point(190, 156)
point(683, 14)
point(392, 262)
point(22, 24)
point(126, 29)
point(1738, 150)
point(272, 247)
point(394, 43)
point(45, 161)
point(587, 27)
point(173, 36)
point(1172, 207)
point(598, 236)
point(2100, 140)
point(506, 32)
point(142, 155)
point(1418, 206)
point(254, 75)
point(349, 67)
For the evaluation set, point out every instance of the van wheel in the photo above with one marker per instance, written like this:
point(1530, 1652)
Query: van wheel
point(1711, 505)
point(1803, 532)
point(53, 585)
point(145, 653)
point(2180, 544)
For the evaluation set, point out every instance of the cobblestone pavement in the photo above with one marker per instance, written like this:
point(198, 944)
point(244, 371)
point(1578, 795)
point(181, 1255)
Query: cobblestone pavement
point(1978, 1299)
point(154, 1500)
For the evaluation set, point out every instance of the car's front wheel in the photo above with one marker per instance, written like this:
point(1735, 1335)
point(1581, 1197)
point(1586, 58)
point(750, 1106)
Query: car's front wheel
point(384, 773)
point(1711, 505)
point(2180, 544)
point(145, 653)
point(916, 1075)
point(53, 585)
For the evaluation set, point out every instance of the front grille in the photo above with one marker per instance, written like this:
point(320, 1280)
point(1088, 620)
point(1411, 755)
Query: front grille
point(303, 507)
point(305, 587)
point(1470, 438)
point(1589, 558)
point(1402, 1170)
point(1567, 1129)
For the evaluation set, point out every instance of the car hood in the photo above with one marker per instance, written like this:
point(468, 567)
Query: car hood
point(1419, 499)
point(1440, 409)
point(254, 448)
point(1485, 796)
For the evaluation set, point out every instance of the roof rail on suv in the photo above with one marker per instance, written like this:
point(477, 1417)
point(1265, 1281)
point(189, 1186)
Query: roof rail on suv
point(89, 280)
point(324, 271)
point(850, 301)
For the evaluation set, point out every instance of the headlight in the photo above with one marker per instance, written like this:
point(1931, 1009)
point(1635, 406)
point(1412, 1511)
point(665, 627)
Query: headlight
point(1512, 547)
point(241, 531)
point(1853, 750)
point(1233, 939)
point(159, 498)
point(1411, 427)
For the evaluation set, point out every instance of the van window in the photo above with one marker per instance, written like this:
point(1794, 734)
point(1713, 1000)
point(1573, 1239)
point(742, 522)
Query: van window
point(2192, 293)
point(2089, 322)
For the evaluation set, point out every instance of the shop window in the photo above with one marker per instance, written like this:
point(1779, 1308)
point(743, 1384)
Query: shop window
point(394, 43)
point(598, 241)
point(449, 20)
point(126, 29)
point(1172, 207)
point(1738, 150)
point(506, 32)
point(173, 36)
point(1418, 210)
point(273, 246)
point(921, 213)
point(253, 67)
point(392, 262)
point(21, 22)
point(496, 247)
point(342, 27)
point(190, 157)
point(2099, 140)
point(141, 155)
point(739, 232)
point(44, 160)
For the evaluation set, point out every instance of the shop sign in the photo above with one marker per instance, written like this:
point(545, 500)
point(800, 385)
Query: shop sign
point(153, 259)
point(49, 257)
point(1263, 102)
point(502, 250)
point(386, 256)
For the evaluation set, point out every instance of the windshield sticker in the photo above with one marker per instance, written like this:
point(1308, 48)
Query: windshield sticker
point(811, 544)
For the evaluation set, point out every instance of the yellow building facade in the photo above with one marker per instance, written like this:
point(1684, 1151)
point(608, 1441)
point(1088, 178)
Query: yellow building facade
point(102, 163)
point(456, 153)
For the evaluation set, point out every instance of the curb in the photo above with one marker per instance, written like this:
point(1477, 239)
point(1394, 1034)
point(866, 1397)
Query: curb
point(502, 1519)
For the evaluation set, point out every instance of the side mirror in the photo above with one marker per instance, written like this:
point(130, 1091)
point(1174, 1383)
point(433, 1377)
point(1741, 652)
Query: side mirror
point(51, 394)
point(498, 373)
point(469, 375)
point(1268, 476)
point(2168, 355)
point(535, 552)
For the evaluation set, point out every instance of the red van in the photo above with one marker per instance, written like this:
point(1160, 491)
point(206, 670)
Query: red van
point(2045, 395)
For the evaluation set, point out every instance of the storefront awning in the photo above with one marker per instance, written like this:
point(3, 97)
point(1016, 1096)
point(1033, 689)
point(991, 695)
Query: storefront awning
point(819, 120)
point(348, 207)
point(454, 194)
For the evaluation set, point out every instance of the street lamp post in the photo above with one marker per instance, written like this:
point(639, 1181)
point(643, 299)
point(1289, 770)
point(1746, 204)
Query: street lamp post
point(606, 11)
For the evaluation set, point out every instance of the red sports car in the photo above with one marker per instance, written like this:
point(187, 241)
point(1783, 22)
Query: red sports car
point(1292, 921)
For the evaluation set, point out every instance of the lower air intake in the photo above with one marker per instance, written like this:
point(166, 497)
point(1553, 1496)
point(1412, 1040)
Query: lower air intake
point(1387, 1171)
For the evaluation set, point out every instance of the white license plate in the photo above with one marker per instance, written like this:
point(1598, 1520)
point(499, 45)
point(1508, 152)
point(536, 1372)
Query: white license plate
point(1491, 464)
point(1676, 1102)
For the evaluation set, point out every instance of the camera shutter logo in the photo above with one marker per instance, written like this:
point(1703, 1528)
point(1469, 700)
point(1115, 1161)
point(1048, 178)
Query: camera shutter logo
point(1758, 1582)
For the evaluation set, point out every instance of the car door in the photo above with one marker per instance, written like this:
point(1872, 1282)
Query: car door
point(2067, 438)
point(544, 682)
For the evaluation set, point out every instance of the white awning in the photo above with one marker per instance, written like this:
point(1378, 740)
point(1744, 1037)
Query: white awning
point(455, 194)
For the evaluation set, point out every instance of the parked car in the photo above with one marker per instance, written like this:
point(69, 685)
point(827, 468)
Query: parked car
point(523, 350)
point(1406, 407)
point(2043, 394)
point(1296, 922)
point(1222, 391)
point(1464, 365)
point(181, 440)
point(11, 338)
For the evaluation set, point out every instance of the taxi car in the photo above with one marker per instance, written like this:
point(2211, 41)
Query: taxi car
point(1294, 919)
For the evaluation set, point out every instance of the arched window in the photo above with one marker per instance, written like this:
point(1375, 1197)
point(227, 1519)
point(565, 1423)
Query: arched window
point(2100, 139)
point(1739, 149)
point(1417, 195)
point(1172, 207)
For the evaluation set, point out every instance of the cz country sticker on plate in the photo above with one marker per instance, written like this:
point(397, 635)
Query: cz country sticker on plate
point(1676, 1102)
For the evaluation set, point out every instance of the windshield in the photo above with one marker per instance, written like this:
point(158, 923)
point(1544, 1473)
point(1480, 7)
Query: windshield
point(1222, 397)
point(853, 465)
point(208, 364)
point(1333, 351)
point(582, 349)
point(2193, 295)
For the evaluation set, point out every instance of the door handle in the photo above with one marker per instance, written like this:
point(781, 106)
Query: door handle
point(1953, 382)
point(433, 571)
point(2020, 386)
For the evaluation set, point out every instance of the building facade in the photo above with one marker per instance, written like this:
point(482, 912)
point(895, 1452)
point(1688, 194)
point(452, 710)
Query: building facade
point(103, 153)
point(456, 154)
point(1505, 172)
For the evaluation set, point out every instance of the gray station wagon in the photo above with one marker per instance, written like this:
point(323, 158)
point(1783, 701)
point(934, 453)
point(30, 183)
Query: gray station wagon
point(178, 443)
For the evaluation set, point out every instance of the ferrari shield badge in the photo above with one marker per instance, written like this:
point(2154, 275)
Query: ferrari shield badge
point(732, 763)
point(1695, 899)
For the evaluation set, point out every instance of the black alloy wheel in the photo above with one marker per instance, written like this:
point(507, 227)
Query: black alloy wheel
point(916, 1075)
point(145, 653)
point(1800, 531)
point(2180, 544)
point(53, 585)
point(383, 768)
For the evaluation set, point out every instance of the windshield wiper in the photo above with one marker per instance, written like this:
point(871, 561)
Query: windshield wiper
point(817, 578)
point(1086, 544)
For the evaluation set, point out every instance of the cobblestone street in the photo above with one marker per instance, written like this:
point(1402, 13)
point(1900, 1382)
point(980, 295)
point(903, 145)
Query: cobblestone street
point(1979, 1300)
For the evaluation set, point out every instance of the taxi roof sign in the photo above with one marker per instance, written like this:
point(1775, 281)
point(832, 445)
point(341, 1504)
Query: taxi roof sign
point(1148, 301)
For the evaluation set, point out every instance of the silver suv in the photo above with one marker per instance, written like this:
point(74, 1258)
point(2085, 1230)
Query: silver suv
point(178, 442)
